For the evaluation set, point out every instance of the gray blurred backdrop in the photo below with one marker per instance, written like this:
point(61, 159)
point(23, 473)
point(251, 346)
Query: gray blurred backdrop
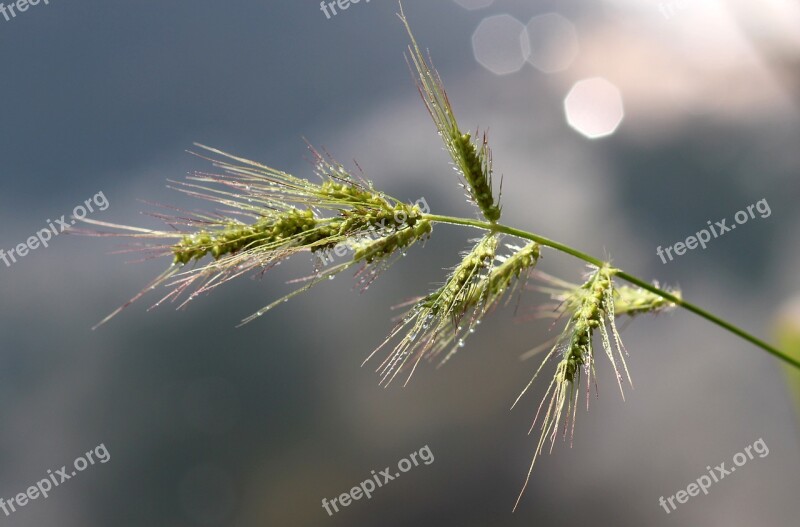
point(208, 425)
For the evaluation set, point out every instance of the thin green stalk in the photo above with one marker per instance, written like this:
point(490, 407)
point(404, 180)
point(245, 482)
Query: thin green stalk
point(497, 227)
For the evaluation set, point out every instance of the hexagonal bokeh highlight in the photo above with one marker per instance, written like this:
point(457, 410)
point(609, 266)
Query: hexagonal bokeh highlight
point(500, 44)
point(474, 4)
point(553, 42)
point(594, 107)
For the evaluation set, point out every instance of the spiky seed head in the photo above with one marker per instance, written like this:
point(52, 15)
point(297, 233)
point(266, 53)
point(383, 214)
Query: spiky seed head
point(628, 300)
point(271, 215)
point(270, 230)
point(369, 251)
point(589, 308)
point(441, 321)
point(472, 158)
point(631, 300)
point(434, 318)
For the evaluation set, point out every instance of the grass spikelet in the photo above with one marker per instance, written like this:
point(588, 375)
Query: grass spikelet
point(513, 270)
point(435, 317)
point(590, 308)
point(372, 250)
point(628, 300)
point(444, 319)
point(472, 158)
point(270, 216)
point(632, 301)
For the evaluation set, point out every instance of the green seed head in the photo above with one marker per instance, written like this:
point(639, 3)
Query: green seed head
point(472, 159)
point(383, 247)
point(589, 303)
point(273, 230)
point(630, 300)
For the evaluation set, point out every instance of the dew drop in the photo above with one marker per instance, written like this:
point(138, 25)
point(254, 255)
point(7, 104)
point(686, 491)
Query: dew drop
point(461, 343)
point(331, 277)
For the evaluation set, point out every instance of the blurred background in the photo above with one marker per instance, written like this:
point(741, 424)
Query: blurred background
point(619, 126)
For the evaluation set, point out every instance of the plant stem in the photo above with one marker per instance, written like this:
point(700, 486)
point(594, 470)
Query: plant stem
point(497, 227)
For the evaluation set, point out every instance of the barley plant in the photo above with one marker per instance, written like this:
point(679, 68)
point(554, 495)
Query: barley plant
point(269, 216)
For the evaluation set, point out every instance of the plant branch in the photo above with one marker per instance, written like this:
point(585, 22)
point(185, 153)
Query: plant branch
point(497, 227)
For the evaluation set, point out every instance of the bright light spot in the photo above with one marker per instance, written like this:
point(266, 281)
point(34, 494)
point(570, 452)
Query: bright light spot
point(500, 44)
point(474, 4)
point(594, 107)
point(553, 42)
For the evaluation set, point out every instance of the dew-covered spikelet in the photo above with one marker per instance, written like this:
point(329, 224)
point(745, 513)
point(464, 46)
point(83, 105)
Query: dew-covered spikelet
point(628, 300)
point(632, 301)
point(438, 324)
point(269, 216)
point(590, 308)
point(472, 159)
